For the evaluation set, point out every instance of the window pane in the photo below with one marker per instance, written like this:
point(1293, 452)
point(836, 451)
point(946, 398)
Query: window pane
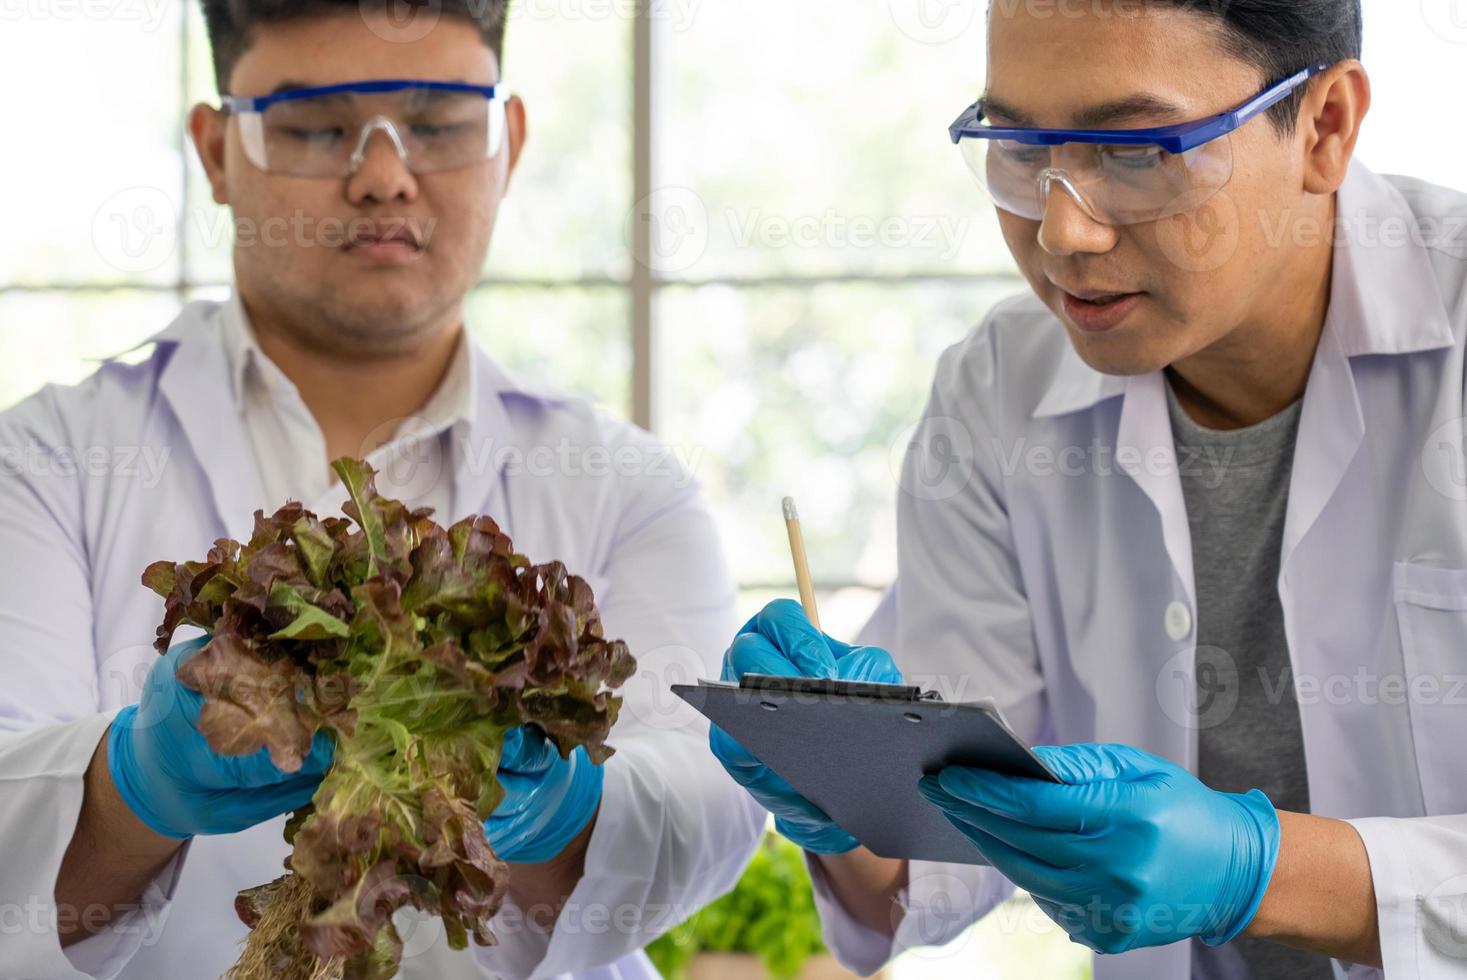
point(1410, 59)
point(216, 292)
point(61, 336)
point(804, 391)
point(568, 201)
point(826, 150)
point(575, 339)
point(96, 186)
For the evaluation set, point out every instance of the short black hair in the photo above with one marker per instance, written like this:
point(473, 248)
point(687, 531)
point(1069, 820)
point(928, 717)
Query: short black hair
point(1282, 37)
point(231, 22)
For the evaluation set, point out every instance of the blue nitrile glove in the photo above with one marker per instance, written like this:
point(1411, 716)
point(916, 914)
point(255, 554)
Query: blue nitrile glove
point(166, 773)
point(1132, 851)
point(781, 641)
point(547, 800)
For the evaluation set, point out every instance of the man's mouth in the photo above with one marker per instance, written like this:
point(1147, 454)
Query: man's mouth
point(388, 240)
point(1097, 296)
point(1096, 310)
point(1102, 299)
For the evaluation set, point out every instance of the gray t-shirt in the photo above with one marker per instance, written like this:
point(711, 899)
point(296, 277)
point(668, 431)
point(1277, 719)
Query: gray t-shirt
point(1236, 486)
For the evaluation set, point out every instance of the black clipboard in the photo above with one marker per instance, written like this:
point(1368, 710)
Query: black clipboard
point(856, 750)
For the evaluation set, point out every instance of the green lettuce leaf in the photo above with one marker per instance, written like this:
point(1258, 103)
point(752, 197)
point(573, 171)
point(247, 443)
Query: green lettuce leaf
point(415, 647)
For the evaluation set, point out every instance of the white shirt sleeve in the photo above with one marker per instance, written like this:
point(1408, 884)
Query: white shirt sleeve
point(41, 787)
point(50, 722)
point(938, 904)
point(674, 831)
point(957, 621)
point(1419, 868)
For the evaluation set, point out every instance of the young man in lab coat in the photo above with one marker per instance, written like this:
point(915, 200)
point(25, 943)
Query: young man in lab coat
point(1200, 497)
point(124, 837)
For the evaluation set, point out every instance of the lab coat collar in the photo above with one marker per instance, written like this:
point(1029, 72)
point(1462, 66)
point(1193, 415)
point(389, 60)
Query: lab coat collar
point(478, 463)
point(1076, 386)
point(197, 374)
point(195, 384)
point(240, 346)
point(1384, 296)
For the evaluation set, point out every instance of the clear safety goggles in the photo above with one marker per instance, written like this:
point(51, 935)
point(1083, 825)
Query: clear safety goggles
point(324, 131)
point(1118, 176)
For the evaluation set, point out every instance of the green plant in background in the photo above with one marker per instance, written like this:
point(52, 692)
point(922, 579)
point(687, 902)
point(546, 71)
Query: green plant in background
point(770, 914)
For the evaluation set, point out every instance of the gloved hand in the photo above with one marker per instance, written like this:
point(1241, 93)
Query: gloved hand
point(781, 641)
point(168, 775)
point(547, 800)
point(1132, 851)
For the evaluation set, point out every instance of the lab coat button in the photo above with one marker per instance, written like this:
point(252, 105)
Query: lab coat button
point(1178, 621)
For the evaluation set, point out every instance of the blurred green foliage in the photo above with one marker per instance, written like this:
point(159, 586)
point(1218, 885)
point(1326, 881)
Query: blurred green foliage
point(770, 913)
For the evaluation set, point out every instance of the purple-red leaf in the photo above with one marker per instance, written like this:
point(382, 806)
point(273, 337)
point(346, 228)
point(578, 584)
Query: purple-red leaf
point(416, 647)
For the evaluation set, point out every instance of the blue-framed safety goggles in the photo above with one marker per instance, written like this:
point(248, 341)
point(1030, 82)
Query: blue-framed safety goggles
point(324, 131)
point(1118, 176)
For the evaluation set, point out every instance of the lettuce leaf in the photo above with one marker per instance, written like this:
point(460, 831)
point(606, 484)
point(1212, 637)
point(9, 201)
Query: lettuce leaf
point(416, 647)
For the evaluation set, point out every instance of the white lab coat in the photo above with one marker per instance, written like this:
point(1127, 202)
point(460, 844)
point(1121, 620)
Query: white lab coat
point(149, 460)
point(1033, 569)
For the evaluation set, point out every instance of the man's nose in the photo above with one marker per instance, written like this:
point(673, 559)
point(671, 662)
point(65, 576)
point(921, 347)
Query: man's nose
point(1067, 228)
point(381, 173)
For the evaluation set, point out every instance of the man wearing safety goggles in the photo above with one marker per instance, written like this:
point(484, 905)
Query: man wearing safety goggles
point(1194, 514)
point(364, 160)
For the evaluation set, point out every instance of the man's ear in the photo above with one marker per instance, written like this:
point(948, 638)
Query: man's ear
point(514, 118)
point(1329, 124)
point(206, 127)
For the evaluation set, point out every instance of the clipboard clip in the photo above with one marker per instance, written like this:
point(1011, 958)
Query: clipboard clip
point(826, 687)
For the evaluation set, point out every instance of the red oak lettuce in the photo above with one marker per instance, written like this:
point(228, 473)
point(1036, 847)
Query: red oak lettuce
point(415, 647)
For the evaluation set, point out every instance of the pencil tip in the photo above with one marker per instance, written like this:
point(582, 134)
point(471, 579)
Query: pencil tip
point(790, 514)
